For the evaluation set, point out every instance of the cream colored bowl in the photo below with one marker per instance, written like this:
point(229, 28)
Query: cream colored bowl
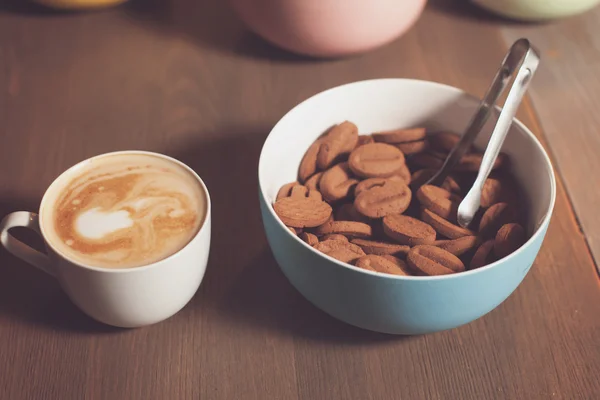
point(537, 9)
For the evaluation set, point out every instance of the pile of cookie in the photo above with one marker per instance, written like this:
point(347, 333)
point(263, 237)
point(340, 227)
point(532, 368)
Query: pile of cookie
point(362, 199)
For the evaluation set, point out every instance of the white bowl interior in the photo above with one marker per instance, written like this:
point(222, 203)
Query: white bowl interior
point(384, 104)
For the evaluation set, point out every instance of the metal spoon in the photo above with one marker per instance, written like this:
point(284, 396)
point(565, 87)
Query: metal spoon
point(523, 58)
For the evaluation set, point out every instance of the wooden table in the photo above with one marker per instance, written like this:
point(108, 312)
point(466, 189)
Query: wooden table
point(184, 78)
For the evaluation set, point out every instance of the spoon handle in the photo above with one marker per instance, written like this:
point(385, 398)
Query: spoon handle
point(512, 60)
point(528, 65)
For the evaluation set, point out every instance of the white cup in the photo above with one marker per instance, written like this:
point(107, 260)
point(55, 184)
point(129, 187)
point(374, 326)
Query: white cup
point(130, 297)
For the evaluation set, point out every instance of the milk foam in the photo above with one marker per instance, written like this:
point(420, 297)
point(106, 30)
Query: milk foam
point(95, 224)
point(122, 211)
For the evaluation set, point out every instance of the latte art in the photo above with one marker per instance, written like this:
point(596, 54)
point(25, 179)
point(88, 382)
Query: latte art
point(127, 211)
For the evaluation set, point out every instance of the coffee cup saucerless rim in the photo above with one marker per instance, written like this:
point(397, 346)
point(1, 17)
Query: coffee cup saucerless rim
point(140, 268)
point(544, 222)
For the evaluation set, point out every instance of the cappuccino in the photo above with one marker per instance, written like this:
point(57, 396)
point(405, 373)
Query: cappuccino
point(124, 211)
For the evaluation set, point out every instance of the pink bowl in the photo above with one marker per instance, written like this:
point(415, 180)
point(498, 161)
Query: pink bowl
point(329, 28)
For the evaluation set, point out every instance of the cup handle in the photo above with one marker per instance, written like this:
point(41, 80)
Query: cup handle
point(20, 249)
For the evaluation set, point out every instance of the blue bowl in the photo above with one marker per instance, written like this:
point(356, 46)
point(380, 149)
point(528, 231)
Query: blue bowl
point(389, 303)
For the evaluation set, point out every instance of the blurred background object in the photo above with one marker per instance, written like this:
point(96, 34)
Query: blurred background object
point(329, 28)
point(78, 4)
point(537, 9)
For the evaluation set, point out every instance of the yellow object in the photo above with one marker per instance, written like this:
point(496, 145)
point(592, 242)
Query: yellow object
point(79, 4)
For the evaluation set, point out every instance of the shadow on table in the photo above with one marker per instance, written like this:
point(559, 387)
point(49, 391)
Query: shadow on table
point(28, 295)
point(29, 8)
point(209, 23)
point(243, 284)
point(263, 296)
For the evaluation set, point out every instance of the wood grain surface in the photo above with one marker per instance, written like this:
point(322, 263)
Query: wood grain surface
point(184, 78)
